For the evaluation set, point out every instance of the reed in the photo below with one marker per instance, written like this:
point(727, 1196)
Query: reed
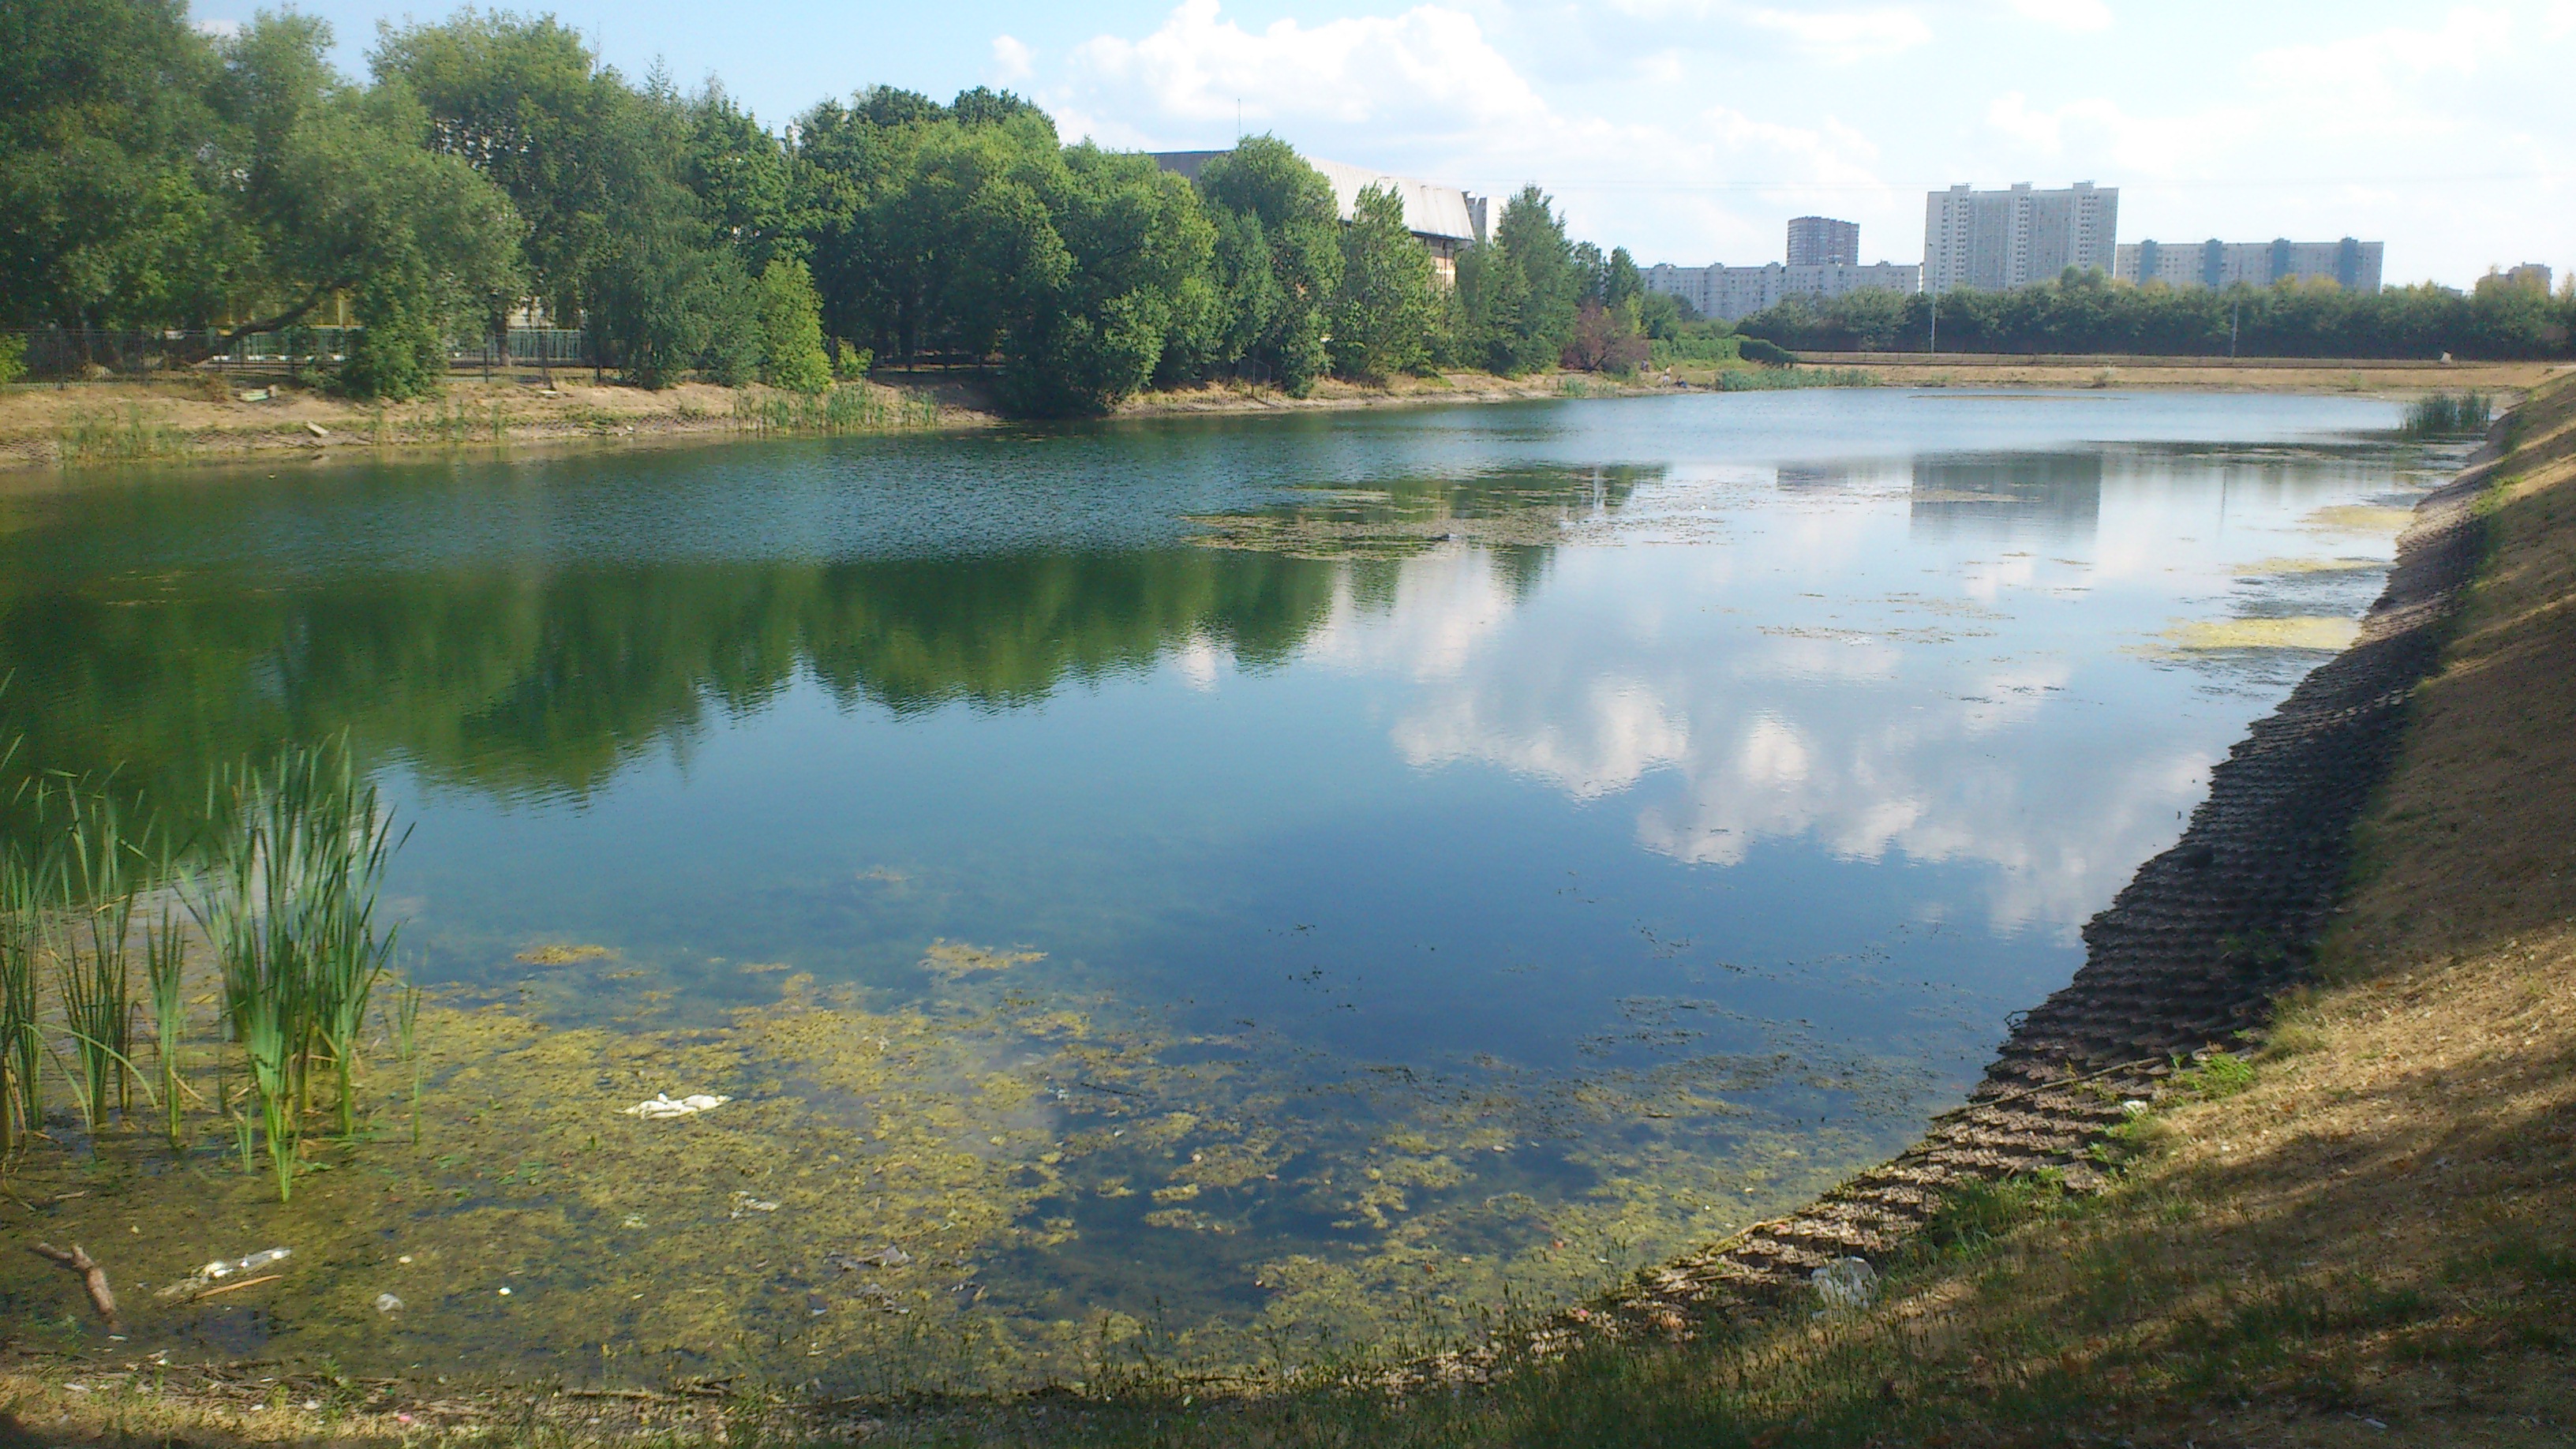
point(165, 964)
point(850, 408)
point(406, 1035)
point(22, 1089)
point(288, 900)
point(2448, 415)
point(93, 930)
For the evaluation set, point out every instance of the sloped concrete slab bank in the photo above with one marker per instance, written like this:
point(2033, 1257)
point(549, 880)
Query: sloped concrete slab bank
point(2193, 951)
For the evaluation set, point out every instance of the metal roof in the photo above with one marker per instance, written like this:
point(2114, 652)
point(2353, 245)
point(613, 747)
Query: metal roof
point(1429, 210)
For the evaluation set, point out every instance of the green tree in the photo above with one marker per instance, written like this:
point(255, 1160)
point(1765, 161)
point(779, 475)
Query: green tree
point(791, 329)
point(108, 216)
point(1519, 292)
point(1280, 257)
point(336, 194)
point(1386, 309)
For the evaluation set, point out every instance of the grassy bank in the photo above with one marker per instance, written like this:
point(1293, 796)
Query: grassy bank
point(2354, 1230)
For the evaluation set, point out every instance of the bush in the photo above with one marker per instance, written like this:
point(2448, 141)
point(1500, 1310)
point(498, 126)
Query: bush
point(1765, 351)
point(13, 359)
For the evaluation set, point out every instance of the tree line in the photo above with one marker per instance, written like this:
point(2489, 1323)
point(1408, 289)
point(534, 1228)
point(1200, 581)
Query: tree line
point(156, 177)
point(2082, 312)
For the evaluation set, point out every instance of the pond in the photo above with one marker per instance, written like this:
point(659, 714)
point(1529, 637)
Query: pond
point(1234, 889)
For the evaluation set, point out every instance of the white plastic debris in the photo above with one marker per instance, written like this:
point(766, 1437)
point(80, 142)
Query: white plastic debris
point(744, 1202)
point(220, 1269)
point(2136, 1107)
point(388, 1303)
point(888, 1256)
point(661, 1107)
point(1846, 1283)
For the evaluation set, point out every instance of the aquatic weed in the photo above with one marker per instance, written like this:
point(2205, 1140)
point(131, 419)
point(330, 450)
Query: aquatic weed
point(2448, 415)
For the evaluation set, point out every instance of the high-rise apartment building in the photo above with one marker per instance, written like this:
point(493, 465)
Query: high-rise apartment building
point(2350, 264)
point(1998, 240)
point(1818, 241)
point(1732, 293)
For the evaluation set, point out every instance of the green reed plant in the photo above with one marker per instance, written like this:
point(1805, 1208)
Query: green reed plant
point(22, 1090)
point(165, 966)
point(288, 901)
point(95, 932)
point(406, 1035)
point(2448, 415)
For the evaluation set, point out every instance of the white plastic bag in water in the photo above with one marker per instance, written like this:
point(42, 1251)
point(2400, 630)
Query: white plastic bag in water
point(661, 1106)
point(1846, 1283)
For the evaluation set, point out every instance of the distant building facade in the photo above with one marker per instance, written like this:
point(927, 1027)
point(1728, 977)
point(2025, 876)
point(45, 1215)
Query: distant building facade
point(1998, 240)
point(1732, 293)
point(1445, 219)
point(2530, 274)
point(2350, 264)
point(1821, 241)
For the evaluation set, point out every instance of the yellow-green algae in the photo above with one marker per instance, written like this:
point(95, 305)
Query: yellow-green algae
point(2298, 632)
point(1063, 1183)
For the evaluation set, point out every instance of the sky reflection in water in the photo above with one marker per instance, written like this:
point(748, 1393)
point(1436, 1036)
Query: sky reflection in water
point(1599, 748)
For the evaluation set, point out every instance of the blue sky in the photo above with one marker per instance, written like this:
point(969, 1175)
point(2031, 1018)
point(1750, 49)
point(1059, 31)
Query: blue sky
point(1690, 130)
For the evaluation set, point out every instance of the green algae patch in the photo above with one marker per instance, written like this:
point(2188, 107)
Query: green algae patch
point(985, 1192)
point(564, 955)
point(2275, 568)
point(2360, 518)
point(2324, 633)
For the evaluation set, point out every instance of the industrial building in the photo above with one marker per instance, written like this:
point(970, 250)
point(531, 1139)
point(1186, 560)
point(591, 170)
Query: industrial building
point(1995, 241)
point(2350, 264)
point(1444, 218)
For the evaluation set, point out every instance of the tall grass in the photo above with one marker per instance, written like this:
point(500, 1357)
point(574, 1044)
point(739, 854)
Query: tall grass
point(22, 1043)
point(113, 435)
point(288, 902)
point(2448, 415)
point(1779, 379)
point(851, 408)
point(95, 917)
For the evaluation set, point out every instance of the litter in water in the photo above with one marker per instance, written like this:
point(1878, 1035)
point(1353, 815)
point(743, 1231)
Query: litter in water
point(661, 1107)
point(888, 1256)
point(1846, 1283)
point(744, 1202)
point(218, 1270)
point(388, 1303)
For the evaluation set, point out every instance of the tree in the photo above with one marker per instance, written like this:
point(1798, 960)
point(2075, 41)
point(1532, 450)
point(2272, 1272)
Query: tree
point(791, 329)
point(1385, 311)
point(335, 194)
point(1280, 257)
point(1135, 240)
point(107, 217)
point(1522, 289)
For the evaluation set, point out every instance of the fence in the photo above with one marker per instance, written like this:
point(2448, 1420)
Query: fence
point(74, 354)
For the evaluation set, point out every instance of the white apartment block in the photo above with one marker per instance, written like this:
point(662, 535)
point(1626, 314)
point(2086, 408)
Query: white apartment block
point(2350, 264)
point(1732, 293)
point(1998, 240)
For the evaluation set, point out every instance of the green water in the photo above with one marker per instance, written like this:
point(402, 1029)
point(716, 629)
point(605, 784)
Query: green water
point(1228, 888)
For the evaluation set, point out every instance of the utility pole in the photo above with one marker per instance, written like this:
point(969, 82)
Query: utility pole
point(1933, 347)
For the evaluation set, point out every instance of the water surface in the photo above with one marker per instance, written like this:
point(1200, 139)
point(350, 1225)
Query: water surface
point(1187, 881)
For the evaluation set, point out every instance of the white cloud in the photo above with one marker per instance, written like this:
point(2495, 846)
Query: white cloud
point(1013, 61)
point(1429, 64)
point(2080, 16)
point(1842, 36)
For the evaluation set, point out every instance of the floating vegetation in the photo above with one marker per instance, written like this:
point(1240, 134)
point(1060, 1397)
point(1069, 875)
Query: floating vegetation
point(2290, 567)
point(2300, 632)
point(954, 959)
point(2448, 415)
point(561, 955)
point(2360, 518)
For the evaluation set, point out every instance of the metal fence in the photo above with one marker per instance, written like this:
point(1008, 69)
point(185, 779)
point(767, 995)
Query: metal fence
point(76, 354)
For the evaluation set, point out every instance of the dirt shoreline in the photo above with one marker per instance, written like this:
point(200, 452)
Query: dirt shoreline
point(215, 418)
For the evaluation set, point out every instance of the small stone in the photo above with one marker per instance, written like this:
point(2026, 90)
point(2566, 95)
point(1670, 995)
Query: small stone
point(388, 1303)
